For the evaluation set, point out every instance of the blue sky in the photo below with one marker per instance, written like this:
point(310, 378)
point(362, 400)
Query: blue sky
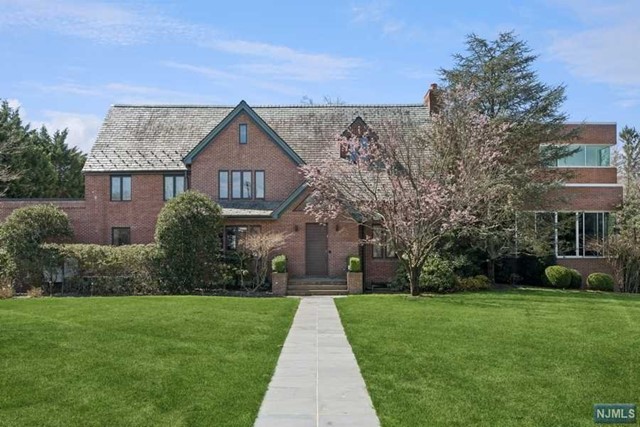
point(65, 62)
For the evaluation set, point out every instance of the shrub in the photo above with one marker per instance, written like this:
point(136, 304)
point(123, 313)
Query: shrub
point(279, 264)
point(527, 269)
point(34, 292)
point(400, 279)
point(187, 234)
point(353, 264)
point(558, 276)
point(108, 270)
point(475, 283)
point(600, 282)
point(22, 233)
point(6, 288)
point(576, 279)
point(438, 275)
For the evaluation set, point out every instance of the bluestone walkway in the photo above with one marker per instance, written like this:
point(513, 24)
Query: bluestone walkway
point(317, 381)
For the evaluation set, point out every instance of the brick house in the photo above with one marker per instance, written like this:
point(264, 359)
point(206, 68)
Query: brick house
point(247, 158)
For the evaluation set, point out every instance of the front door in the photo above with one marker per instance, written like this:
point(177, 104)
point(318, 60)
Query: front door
point(316, 253)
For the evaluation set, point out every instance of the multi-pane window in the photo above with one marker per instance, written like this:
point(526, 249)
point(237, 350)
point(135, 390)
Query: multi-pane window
point(223, 184)
point(382, 247)
point(242, 131)
point(576, 234)
point(259, 184)
point(585, 155)
point(121, 236)
point(173, 186)
point(234, 235)
point(121, 187)
point(241, 184)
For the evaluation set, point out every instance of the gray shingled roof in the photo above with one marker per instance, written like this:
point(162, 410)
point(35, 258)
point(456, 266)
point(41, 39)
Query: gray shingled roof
point(147, 137)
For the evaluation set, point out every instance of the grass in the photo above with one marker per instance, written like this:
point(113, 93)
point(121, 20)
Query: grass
point(518, 358)
point(154, 361)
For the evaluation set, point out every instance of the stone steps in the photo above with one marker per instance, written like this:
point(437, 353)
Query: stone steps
point(304, 287)
point(311, 292)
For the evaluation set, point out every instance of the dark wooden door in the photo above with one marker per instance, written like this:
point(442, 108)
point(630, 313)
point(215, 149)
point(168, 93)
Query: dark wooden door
point(316, 252)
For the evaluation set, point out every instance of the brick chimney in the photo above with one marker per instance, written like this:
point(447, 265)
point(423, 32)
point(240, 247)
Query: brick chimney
point(430, 99)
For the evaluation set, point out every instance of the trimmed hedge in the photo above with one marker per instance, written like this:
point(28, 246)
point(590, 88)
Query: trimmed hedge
point(576, 279)
point(107, 270)
point(558, 276)
point(600, 282)
point(279, 264)
point(353, 264)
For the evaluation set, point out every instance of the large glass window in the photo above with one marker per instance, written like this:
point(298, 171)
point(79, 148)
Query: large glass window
point(120, 187)
point(259, 184)
point(223, 184)
point(173, 186)
point(235, 234)
point(586, 155)
point(579, 233)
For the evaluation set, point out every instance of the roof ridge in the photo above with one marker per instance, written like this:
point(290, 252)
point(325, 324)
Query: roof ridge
point(263, 106)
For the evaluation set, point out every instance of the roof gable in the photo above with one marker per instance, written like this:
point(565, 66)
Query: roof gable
point(242, 107)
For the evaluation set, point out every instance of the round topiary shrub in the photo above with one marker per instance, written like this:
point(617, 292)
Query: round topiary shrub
point(600, 282)
point(576, 279)
point(187, 233)
point(558, 276)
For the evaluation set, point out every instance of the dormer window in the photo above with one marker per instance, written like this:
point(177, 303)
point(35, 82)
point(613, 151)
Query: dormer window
point(243, 133)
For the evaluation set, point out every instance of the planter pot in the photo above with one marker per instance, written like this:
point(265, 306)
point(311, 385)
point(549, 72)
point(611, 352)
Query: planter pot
point(279, 283)
point(354, 282)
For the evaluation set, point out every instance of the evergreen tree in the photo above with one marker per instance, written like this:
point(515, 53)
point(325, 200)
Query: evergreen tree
point(508, 91)
point(36, 163)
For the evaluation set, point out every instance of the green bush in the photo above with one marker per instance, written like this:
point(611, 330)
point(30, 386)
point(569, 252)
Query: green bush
point(353, 264)
point(576, 279)
point(279, 264)
point(528, 269)
point(24, 231)
point(600, 282)
point(187, 234)
point(475, 283)
point(108, 270)
point(558, 276)
point(438, 275)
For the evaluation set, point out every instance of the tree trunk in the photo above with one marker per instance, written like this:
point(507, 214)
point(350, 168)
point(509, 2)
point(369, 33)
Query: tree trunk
point(491, 270)
point(414, 279)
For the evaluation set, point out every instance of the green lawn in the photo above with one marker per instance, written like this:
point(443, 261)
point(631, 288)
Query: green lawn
point(155, 361)
point(518, 358)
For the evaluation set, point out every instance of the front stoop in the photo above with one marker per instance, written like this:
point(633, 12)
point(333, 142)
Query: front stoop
point(279, 282)
point(354, 283)
point(317, 286)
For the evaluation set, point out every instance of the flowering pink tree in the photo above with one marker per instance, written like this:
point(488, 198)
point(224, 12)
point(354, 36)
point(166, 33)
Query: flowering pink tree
point(419, 181)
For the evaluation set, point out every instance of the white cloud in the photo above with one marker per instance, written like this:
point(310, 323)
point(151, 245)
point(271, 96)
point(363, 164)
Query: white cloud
point(120, 25)
point(100, 22)
point(606, 49)
point(83, 128)
point(379, 14)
